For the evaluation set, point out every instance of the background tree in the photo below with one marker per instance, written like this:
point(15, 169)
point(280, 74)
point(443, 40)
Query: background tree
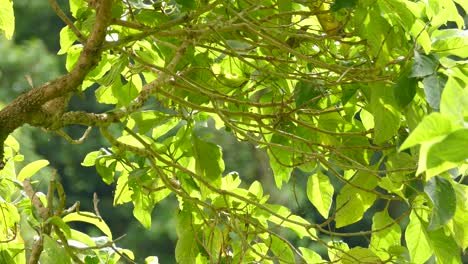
point(360, 106)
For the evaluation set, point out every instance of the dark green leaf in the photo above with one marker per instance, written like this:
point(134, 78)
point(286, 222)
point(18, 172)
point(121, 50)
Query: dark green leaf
point(304, 94)
point(433, 86)
point(405, 89)
point(424, 65)
point(6, 258)
point(440, 191)
point(339, 4)
point(208, 159)
point(106, 170)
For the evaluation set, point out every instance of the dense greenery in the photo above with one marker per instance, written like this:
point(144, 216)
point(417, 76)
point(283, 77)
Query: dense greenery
point(361, 107)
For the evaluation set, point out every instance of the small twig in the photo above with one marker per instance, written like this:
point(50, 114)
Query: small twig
point(95, 203)
point(74, 141)
point(67, 21)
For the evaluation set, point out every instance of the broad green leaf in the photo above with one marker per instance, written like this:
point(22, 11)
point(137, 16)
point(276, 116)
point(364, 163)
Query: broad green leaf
point(67, 38)
point(384, 236)
point(76, 5)
point(453, 149)
point(208, 159)
point(433, 86)
point(57, 221)
point(454, 101)
point(386, 115)
point(280, 160)
point(336, 249)
point(143, 208)
point(31, 169)
point(127, 92)
point(304, 94)
point(460, 225)
point(359, 255)
point(151, 260)
point(424, 65)
point(444, 246)
point(7, 18)
point(90, 218)
point(439, 12)
point(106, 169)
point(310, 256)
point(431, 127)
point(53, 252)
point(448, 42)
point(352, 203)
point(405, 89)
point(12, 142)
point(186, 248)
point(90, 159)
point(441, 193)
point(285, 213)
point(145, 120)
point(417, 240)
point(123, 192)
point(281, 249)
point(6, 258)
point(320, 192)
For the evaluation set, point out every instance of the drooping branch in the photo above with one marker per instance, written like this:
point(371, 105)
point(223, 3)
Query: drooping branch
point(28, 107)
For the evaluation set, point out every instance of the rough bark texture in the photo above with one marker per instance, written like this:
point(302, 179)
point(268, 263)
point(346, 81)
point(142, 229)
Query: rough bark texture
point(40, 106)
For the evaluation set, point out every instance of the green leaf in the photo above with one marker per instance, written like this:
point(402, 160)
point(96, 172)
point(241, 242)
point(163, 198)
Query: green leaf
point(431, 127)
point(320, 192)
point(90, 218)
point(67, 38)
point(7, 18)
point(352, 203)
point(186, 249)
point(304, 94)
point(384, 236)
point(405, 89)
point(145, 120)
point(31, 169)
point(440, 191)
point(433, 86)
point(424, 65)
point(90, 159)
point(53, 252)
point(6, 258)
point(454, 101)
point(105, 170)
point(310, 256)
point(386, 115)
point(336, 249)
point(445, 248)
point(450, 42)
point(450, 149)
point(57, 221)
point(358, 255)
point(417, 240)
point(281, 249)
point(143, 206)
point(285, 213)
point(460, 225)
point(208, 159)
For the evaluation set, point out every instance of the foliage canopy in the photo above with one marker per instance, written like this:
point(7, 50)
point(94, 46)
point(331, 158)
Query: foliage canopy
point(366, 100)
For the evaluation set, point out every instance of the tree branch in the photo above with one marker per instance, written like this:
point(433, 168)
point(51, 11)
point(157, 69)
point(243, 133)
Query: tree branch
point(28, 107)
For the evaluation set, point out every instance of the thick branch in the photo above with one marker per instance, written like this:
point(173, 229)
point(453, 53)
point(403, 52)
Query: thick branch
point(27, 108)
